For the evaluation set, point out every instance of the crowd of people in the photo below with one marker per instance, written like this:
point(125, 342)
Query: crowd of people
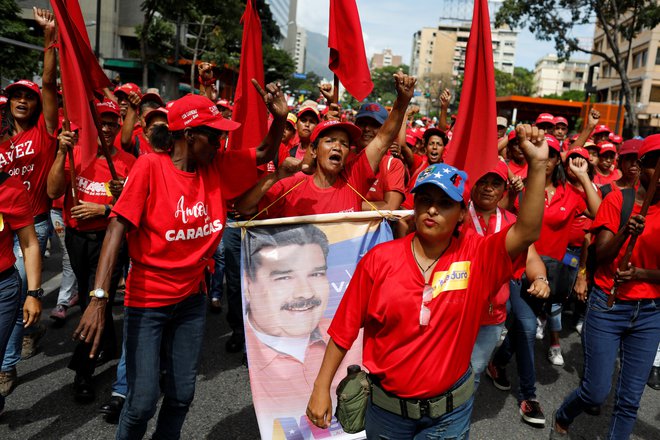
point(474, 276)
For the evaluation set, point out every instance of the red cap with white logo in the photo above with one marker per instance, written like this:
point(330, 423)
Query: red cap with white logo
point(197, 111)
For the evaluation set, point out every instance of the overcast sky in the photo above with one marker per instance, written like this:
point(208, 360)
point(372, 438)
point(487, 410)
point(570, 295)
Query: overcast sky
point(392, 23)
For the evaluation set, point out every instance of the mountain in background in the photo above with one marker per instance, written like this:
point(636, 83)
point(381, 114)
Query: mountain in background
point(316, 57)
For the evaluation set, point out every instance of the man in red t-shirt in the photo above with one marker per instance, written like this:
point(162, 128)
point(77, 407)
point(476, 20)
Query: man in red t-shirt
point(86, 220)
point(422, 314)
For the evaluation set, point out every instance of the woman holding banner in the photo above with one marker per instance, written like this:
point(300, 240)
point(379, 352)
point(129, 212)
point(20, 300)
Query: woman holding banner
point(172, 209)
point(631, 324)
point(419, 316)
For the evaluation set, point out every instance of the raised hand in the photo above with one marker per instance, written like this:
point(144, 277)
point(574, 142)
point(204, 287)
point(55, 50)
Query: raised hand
point(134, 100)
point(327, 90)
point(66, 141)
point(445, 97)
point(412, 110)
point(44, 18)
point(532, 143)
point(405, 85)
point(594, 117)
point(273, 98)
point(579, 166)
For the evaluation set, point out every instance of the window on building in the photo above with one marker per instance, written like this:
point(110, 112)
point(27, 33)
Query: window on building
point(637, 94)
point(615, 96)
point(566, 85)
point(655, 94)
point(606, 70)
point(509, 43)
point(579, 75)
point(639, 59)
point(657, 57)
point(598, 45)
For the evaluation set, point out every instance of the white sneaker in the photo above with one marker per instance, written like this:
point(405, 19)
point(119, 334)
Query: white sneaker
point(578, 327)
point(540, 328)
point(555, 357)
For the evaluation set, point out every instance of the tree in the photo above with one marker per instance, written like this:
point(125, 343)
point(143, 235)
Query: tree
point(19, 61)
point(620, 20)
point(384, 84)
point(520, 83)
point(278, 65)
point(569, 95)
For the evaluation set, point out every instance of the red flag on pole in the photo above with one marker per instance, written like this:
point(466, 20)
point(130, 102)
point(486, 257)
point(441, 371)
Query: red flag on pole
point(348, 59)
point(249, 107)
point(81, 75)
point(473, 146)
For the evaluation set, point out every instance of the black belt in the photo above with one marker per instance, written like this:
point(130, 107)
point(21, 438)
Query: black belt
point(7, 273)
point(415, 409)
point(41, 217)
point(88, 235)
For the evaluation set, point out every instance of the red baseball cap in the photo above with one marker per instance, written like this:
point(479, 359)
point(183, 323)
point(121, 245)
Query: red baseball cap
point(582, 152)
point(196, 111)
point(552, 142)
point(545, 118)
point(127, 89)
point(500, 169)
point(411, 140)
point(651, 143)
point(630, 146)
point(24, 83)
point(601, 129)
point(353, 131)
point(107, 106)
point(615, 138)
point(152, 97)
point(604, 147)
point(224, 103)
point(512, 135)
point(560, 120)
point(155, 112)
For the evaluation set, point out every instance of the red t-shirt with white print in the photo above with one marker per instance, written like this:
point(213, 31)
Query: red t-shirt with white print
point(29, 156)
point(178, 218)
point(15, 213)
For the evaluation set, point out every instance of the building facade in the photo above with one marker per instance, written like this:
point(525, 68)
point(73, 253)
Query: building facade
point(384, 59)
point(552, 77)
point(643, 73)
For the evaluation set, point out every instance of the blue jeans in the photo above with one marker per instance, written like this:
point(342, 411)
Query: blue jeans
point(520, 339)
point(119, 386)
point(384, 425)
point(15, 345)
point(10, 295)
point(219, 272)
point(69, 286)
point(232, 243)
point(631, 328)
point(180, 327)
point(484, 346)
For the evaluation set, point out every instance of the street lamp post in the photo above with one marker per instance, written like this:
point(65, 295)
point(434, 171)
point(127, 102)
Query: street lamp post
point(98, 29)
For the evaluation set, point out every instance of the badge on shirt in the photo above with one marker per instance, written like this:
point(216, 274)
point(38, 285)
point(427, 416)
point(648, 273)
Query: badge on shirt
point(456, 278)
point(107, 189)
point(2, 224)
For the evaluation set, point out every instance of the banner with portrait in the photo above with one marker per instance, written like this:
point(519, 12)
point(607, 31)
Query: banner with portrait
point(294, 274)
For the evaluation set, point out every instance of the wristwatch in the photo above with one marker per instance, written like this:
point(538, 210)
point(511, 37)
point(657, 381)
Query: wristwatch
point(108, 210)
point(39, 293)
point(98, 293)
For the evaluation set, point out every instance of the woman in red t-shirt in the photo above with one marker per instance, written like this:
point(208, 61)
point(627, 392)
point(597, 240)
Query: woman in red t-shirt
point(420, 315)
point(630, 327)
point(16, 219)
point(337, 184)
point(173, 212)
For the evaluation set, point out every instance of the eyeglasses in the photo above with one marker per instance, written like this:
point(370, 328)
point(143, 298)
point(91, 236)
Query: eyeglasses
point(424, 311)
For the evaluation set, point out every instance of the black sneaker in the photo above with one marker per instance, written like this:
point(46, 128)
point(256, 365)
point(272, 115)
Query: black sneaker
point(531, 412)
point(498, 374)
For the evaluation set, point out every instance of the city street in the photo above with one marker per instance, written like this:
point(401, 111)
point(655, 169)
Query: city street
point(42, 406)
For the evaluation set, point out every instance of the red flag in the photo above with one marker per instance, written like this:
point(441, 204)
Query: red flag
point(249, 107)
point(473, 145)
point(348, 59)
point(81, 75)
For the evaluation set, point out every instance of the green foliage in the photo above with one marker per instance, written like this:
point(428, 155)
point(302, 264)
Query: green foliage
point(19, 61)
point(384, 84)
point(308, 86)
point(159, 39)
point(569, 95)
point(278, 65)
point(520, 83)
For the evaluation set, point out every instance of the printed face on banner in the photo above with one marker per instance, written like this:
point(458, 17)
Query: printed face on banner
point(290, 290)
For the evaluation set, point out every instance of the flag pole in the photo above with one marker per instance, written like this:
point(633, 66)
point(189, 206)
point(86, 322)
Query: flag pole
point(105, 149)
point(67, 126)
point(335, 90)
point(623, 265)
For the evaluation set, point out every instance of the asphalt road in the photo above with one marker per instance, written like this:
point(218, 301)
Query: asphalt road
point(42, 406)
